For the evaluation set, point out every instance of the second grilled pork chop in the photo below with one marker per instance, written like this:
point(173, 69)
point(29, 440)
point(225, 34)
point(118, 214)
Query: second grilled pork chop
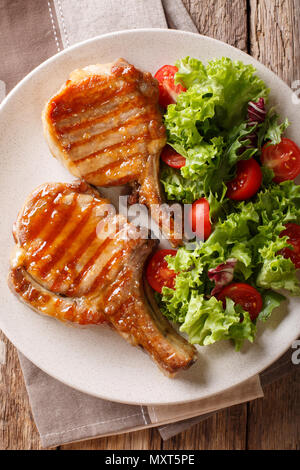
point(69, 264)
point(105, 126)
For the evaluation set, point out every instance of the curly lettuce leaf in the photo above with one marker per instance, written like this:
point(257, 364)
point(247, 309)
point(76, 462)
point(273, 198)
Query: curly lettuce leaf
point(190, 72)
point(191, 118)
point(237, 84)
point(178, 188)
point(207, 321)
point(278, 273)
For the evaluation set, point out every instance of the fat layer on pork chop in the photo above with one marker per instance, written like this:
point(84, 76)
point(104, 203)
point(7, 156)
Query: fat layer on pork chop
point(77, 261)
point(105, 126)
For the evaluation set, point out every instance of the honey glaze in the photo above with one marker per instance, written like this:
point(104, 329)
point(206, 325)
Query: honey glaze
point(57, 233)
point(75, 271)
point(61, 253)
point(92, 115)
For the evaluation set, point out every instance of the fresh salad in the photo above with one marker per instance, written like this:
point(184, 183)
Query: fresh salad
point(227, 156)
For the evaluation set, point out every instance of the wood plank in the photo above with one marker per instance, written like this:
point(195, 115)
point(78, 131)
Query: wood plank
point(225, 430)
point(17, 428)
point(274, 421)
point(226, 21)
point(221, 19)
point(275, 36)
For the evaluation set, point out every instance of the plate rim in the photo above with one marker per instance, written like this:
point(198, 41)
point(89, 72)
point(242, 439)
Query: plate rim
point(129, 31)
point(67, 51)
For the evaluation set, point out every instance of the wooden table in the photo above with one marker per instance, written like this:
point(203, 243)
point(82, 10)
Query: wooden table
point(270, 31)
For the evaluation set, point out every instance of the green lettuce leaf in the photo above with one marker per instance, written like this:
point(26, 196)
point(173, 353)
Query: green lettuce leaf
point(278, 273)
point(178, 188)
point(270, 130)
point(208, 126)
point(190, 72)
point(190, 119)
point(206, 322)
point(236, 82)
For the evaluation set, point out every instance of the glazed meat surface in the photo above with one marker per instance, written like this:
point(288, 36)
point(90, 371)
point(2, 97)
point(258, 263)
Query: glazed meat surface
point(105, 126)
point(78, 261)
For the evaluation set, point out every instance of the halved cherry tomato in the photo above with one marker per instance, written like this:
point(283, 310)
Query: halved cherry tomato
point(172, 158)
point(247, 181)
point(293, 232)
point(283, 159)
point(198, 218)
point(158, 273)
point(168, 91)
point(244, 295)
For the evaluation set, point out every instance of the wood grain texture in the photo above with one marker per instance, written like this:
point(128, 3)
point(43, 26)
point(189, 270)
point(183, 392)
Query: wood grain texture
point(275, 36)
point(225, 430)
point(274, 421)
point(17, 428)
point(269, 423)
point(225, 20)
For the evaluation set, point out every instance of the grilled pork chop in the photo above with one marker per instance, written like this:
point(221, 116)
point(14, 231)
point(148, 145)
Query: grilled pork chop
point(105, 126)
point(69, 264)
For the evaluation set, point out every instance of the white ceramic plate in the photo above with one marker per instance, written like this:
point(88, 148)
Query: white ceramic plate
point(96, 360)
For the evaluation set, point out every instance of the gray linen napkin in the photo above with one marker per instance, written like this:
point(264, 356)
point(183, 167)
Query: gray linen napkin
point(31, 32)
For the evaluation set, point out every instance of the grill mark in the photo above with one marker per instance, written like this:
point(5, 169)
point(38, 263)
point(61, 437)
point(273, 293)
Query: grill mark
point(110, 166)
point(58, 110)
point(60, 250)
point(105, 270)
point(102, 160)
point(39, 216)
point(96, 112)
point(77, 255)
point(126, 106)
point(130, 140)
point(65, 214)
point(77, 93)
point(62, 276)
point(132, 122)
point(87, 266)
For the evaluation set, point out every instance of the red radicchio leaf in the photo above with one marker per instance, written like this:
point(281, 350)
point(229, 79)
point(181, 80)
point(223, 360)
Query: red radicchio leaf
point(222, 275)
point(256, 115)
point(256, 111)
